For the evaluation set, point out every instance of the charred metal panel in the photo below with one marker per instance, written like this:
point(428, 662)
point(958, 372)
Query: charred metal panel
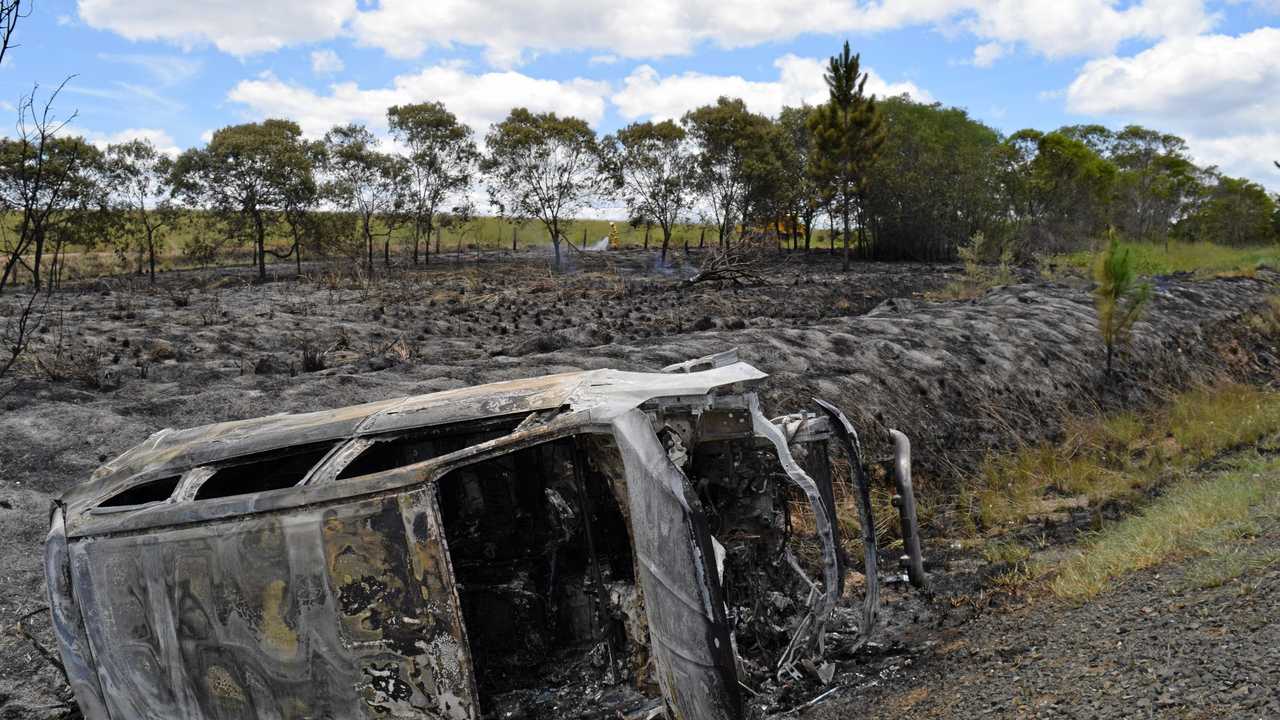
point(688, 629)
point(339, 611)
point(68, 625)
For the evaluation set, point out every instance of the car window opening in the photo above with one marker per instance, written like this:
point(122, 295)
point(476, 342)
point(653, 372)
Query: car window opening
point(143, 494)
point(545, 577)
point(266, 471)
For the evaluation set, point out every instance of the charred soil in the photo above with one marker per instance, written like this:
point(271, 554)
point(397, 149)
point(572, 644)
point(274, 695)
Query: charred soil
point(117, 360)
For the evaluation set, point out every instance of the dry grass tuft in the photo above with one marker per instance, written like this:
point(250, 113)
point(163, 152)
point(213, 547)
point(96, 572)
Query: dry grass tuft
point(1203, 518)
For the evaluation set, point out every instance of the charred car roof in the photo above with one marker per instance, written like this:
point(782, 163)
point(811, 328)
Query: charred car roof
point(602, 394)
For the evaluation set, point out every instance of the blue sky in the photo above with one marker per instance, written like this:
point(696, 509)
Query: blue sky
point(173, 71)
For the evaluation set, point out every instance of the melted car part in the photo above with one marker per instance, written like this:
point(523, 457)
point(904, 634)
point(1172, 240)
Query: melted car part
point(577, 545)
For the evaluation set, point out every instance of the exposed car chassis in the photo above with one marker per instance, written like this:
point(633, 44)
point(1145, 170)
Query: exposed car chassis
point(579, 545)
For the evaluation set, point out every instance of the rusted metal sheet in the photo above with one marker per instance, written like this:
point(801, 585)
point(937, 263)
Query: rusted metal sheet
point(301, 566)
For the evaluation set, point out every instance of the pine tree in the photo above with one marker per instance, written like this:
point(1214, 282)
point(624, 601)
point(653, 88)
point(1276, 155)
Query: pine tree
point(1119, 298)
point(848, 132)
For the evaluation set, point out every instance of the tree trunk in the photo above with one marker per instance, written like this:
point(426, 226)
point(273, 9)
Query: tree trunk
point(844, 211)
point(261, 241)
point(666, 242)
point(35, 268)
point(646, 241)
point(368, 240)
point(438, 232)
point(386, 249)
point(426, 247)
point(151, 253)
point(514, 238)
point(417, 236)
point(555, 242)
point(702, 239)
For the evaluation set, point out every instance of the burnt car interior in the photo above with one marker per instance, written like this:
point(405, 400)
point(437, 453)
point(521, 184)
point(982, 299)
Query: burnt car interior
point(544, 568)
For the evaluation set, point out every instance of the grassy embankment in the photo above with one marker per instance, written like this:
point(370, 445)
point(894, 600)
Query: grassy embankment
point(1196, 468)
point(1202, 258)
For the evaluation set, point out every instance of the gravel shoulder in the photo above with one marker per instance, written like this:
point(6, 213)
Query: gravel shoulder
point(1156, 645)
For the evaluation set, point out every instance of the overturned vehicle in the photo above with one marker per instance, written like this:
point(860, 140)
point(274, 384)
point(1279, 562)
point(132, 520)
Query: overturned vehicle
point(591, 544)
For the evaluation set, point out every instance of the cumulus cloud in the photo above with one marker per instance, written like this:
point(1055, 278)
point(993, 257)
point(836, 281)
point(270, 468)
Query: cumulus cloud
point(660, 28)
point(326, 62)
point(1219, 91)
point(511, 31)
point(986, 55)
point(237, 27)
point(477, 99)
point(646, 94)
point(159, 138)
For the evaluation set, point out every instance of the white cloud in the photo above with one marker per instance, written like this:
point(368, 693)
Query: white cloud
point(166, 70)
point(326, 62)
point(645, 93)
point(159, 138)
point(1222, 92)
point(659, 28)
point(477, 100)
point(608, 59)
point(237, 27)
point(512, 31)
point(986, 55)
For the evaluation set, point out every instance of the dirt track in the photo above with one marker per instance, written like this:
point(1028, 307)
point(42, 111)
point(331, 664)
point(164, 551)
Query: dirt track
point(960, 377)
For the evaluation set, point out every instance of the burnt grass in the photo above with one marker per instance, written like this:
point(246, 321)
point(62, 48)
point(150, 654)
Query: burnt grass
point(116, 359)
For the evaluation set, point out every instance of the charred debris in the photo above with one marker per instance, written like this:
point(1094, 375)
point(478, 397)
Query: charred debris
point(594, 544)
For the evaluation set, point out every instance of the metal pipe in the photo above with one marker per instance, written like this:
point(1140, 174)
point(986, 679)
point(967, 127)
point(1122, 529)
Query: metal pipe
point(853, 448)
point(905, 501)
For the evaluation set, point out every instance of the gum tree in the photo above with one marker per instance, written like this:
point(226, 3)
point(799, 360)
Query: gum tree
point(543, 166)
point(140, 183)
point(441, 161)
point(364, 180)
point(650, 164)
point(246, 176)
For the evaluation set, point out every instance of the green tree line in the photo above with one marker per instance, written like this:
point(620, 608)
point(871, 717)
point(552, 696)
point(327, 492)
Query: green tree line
point(892, 178)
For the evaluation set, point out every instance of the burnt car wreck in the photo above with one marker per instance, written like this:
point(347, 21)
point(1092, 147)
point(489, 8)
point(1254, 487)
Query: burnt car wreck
point(592, 544)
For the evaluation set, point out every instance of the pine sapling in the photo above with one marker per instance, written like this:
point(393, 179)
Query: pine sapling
point(1119, 297)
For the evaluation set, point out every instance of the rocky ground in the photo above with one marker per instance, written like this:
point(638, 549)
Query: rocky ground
point(117, 360)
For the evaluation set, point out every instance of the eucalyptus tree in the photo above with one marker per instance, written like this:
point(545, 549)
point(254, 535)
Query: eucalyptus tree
point(804, 200)
point(362, 179)
point(140, 185)
point(442, 160)
point(246, 176)
point(651, 167)
point(727, 138)
point(543, 166)
point(848, 132)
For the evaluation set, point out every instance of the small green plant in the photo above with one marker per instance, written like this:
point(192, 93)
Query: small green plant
point(1119, 297)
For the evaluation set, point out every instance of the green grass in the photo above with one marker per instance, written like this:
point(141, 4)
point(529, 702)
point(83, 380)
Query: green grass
point(1199, 257)
point(1118, 456)
point(482, 235)
point(1207, 518)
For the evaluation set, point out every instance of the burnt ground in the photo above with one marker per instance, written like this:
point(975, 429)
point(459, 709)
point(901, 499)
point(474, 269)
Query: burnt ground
point(116, 360)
